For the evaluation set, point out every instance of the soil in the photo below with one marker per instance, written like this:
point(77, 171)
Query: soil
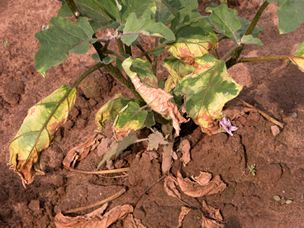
point(275, 87)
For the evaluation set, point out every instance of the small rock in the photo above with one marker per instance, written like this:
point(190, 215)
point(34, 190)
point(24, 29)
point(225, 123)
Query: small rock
point(288, 201)
point(276, 198)
point(34, 205)
point(275, 130)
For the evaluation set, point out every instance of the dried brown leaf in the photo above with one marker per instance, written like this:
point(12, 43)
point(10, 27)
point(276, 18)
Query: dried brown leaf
point(210, 223)
point(93, 219)
point(170, 185)
point(155, 139)
point(167, 158)
point(195, 189)
point(157, 99)
point(131, 222)
point(185, 147)
point(182, 215)
point(81, 151)
point(203, 179)
point(212, 212)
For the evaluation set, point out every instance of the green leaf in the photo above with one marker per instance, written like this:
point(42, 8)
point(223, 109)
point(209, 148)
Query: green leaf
point(290, 15)
point(102, 13)
point(145, 25)
point(226, 21)
point(298, 57)
point(37, 131)
point(131, 118)
point(60, 39)
point(64, 10)
point(205, 95)
point(117, 147)
point(110, 110)
point(137, 7)
point(250, 39)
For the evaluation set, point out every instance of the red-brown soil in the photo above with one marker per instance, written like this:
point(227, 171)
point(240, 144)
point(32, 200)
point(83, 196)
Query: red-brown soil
point(277, 88)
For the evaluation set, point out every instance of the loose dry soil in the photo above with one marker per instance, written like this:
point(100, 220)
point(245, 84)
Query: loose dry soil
point(276, 87)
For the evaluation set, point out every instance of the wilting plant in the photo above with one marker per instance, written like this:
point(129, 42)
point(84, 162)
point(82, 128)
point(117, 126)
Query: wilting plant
point(197, 84)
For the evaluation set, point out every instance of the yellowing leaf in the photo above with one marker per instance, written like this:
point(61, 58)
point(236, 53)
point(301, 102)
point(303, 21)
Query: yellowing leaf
point(205, 95)
point(298, 58)
point(188, 50)
point(157, 99)
point(37, 130)
point(110, 110)
point(131, 118)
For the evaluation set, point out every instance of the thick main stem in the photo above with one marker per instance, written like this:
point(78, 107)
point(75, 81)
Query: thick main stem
point(115, 73)
point(236, 52)
point(264, 58)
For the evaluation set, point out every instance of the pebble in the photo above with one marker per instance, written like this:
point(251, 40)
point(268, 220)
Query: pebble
point(275, 130)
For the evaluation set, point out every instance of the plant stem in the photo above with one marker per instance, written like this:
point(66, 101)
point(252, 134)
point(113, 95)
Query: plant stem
point(236, 51)
point(128, 50)
point(264, 58)
point(71, 4)
point(87, 73)
point(256, 18)
point(120, 46)
point(114, 71)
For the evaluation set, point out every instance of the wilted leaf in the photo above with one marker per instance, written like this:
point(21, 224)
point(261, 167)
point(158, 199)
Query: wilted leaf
point(145, 25)
point(110, 110)
point(290, 15)
point(131, 222)
point(117, 147)
point(205, 95)
point(170, 186)
point(196, 189)
point(167, 158)
point(185, 147)
point(155, 140)
point(144, 72)
point(226, 21)
point(81, 151)
point(37, 131)
point(157, 99)
point(93, 220)
point(54, 49)
point(183, 213)
point(131, 118)
point(298, 58)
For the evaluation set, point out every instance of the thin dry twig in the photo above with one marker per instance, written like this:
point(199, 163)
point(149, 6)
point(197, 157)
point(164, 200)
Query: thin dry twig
point(99, 203)
point(99, 172)
point(264, 114)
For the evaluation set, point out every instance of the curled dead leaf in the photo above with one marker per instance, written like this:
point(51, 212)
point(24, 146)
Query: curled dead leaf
point(170, 186)
point(93, 219)
point(213, 218)
point(81, 151)
point(185, 147)
point(157, 99)
point(196, 189)
point(183, 213)
point(131, 222)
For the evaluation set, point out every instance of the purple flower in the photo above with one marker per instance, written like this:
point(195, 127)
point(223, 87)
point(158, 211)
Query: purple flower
point(226, 124)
